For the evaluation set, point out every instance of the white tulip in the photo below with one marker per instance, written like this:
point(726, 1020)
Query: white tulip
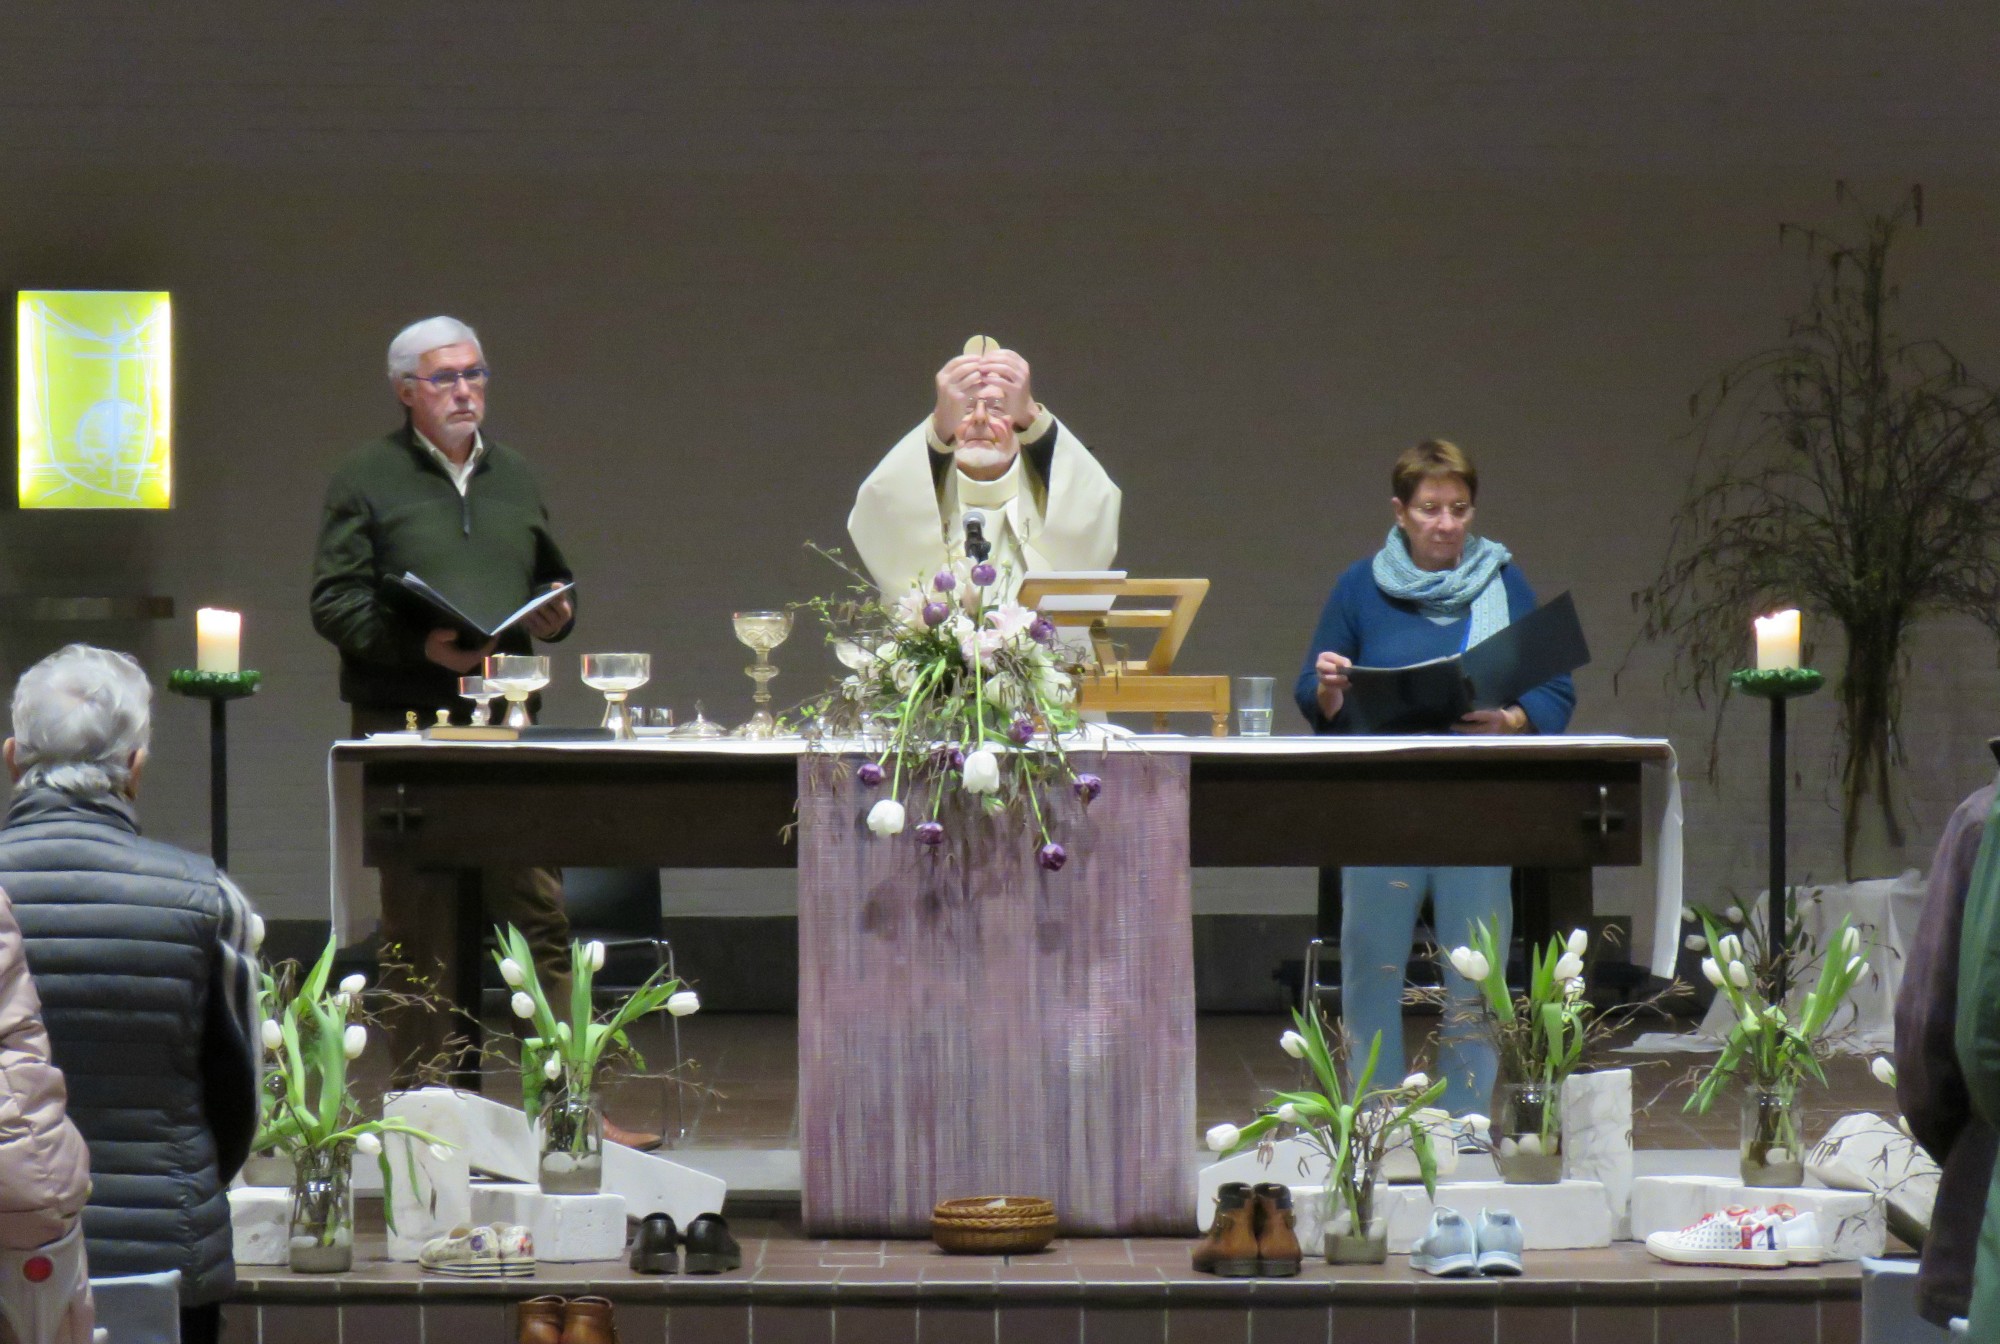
point(354, 1040)
point(1293, 1044)
point(886, 818)
point(256, 931)
point(1289, 1113)
point(1884, 1071)
point(1569, 966)
point(594, 956)
point(343, 1001)
point(368, 1145)
point(1461, 960)
point(562, 1031)
point(1222, 1138)
point(1417, 1081)
point(1476, 967)
point(1850, 942)
point(1711, 971)
point(1903, 1123)
point(683, 1003)
point(1687, 914)
point(1573, 988)
point(441, 1151)
point(273, 1036)
point(1734, 914)
point(1478, 1124)
point(1854, 965)
point(1694, 942)
point(510, 971)
point(982, 772)
point(1729, 947)
point(1578, 941)
point(552, 1068)
point(523, 1006)
point(1739, 975)
point(353, 984)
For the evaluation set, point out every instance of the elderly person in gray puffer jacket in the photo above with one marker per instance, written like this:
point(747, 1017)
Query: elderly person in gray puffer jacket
point(142, 954)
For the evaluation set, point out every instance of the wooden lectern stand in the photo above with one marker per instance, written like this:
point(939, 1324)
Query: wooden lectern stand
point(1133, 685)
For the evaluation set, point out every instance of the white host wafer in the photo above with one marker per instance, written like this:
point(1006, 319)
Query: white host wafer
point(980, 345)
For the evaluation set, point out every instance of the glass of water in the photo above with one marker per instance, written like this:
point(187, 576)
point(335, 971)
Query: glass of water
point(1253, 706)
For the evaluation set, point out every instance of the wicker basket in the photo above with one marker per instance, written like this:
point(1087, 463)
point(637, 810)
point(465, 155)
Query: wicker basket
point(993, 1225)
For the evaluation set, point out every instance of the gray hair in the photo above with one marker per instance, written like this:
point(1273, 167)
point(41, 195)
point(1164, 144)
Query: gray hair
point(413, 342)
point(79, 716)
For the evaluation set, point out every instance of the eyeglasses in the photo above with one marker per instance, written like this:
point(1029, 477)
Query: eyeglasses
point(1431, 512)
point(445, 379)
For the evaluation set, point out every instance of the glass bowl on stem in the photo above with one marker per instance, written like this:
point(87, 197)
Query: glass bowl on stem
point(617, 675)
point(760, 632)
point(482, 693)
point(517, 676)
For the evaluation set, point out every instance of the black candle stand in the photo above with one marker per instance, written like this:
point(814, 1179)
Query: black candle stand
point(1777, 685)
point(218, 688)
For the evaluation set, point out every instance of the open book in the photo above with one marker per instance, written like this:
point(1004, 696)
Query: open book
point(426, 603)
point(1430, 697)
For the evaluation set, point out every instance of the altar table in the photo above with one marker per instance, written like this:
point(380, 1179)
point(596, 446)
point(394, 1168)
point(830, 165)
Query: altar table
point(1554, 806)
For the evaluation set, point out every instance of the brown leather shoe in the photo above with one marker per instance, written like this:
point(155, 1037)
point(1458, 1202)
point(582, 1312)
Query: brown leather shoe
point(587, 1320)
point(631, 1138)
point(1230, 1248)
point(1278, 1253)
point(541, 1320)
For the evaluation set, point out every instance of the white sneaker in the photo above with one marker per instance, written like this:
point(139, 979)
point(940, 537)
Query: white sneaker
point(1737, 1237)
point(502, 1251)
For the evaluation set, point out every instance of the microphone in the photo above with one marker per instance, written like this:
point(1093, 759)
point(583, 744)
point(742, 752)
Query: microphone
point(977, 547)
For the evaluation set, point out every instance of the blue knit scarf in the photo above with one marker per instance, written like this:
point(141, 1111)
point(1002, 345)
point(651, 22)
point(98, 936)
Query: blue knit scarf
point(1448, 592)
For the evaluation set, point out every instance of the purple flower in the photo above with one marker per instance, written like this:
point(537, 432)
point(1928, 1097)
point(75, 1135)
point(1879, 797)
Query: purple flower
point(935, 612)
point(930, 833)
point(953, 757)
point(1042, 630)
point(1088, 787)
point(983, 574)
point(944, 581)
point(870, 773)
point(1052, 856)
point(1022, 730)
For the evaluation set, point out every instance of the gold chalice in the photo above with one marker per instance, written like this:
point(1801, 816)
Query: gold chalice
point(760, 632)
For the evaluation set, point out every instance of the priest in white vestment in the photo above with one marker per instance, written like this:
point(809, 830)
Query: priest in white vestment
point(988, 446)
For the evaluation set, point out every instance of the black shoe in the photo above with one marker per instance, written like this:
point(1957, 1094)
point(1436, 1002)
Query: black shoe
point(710, 1248)
point(656, 1250)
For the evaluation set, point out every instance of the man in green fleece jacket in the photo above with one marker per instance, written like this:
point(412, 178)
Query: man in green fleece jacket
point(460, 511)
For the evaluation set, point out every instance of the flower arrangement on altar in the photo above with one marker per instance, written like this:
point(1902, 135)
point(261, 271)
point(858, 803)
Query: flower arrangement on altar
point(1539, 1035)
point(311, 1116)
point(1354, 1128)
point(961, 693)
point(1774, 1050)
point(562, 1060)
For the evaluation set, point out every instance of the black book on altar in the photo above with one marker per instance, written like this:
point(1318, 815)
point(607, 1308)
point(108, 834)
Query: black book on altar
point(425, 603)
point(1430, 697)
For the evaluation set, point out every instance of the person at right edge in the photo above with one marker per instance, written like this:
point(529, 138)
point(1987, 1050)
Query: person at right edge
point(461, 511)
point(1434, 589)
point(1929, 1086)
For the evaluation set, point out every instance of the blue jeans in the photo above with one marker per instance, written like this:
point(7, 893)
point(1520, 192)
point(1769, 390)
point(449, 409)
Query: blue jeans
point(1378, 920)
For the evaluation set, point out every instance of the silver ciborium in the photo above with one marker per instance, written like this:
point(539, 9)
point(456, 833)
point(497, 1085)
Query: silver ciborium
point(762, 631)
point(517, 676)
point(617, 675)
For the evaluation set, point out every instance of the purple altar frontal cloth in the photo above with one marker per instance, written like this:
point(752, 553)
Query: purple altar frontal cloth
point(970, 1024)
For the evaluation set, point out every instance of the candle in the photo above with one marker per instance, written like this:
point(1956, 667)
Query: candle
point(217, 637)
point(1777, 640)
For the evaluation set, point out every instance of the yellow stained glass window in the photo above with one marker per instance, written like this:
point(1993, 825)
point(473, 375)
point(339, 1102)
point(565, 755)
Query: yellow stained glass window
point(95, 395)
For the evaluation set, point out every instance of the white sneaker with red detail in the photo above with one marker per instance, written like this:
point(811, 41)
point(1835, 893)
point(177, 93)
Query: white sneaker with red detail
point(1761, 1238)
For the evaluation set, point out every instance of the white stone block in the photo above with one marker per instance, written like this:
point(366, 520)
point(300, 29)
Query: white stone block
point(499, 1139)
point(502, 1202)
point(428, 1195)
point(1868, 1153)
point(1597, 1137)
point(1567, 1216)
point(573, 1228)
point(650, 1183)
point(1851, 1223)
point(260, 1224)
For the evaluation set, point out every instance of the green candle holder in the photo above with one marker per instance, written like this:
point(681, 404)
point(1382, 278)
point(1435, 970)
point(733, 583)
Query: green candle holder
point(1777, 683)
point(218, 688)
point(213, 685)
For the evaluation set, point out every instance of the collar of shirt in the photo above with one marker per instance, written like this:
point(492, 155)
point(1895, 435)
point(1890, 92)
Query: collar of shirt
point(460, 476)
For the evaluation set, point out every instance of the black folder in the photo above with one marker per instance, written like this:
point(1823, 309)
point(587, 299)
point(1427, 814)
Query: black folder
point(426, 603)
point(1430, 697)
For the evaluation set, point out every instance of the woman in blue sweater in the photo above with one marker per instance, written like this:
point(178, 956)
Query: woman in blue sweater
point(1433, 590)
